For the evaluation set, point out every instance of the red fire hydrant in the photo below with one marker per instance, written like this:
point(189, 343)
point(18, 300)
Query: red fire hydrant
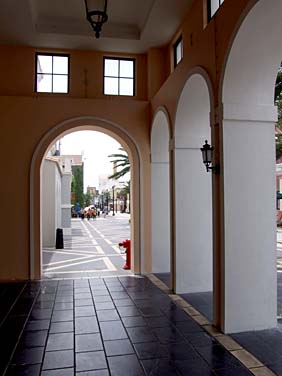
point(126, 244)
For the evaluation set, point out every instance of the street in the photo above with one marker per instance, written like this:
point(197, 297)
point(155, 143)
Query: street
point(90, 249)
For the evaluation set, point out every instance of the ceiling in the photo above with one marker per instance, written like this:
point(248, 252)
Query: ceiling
point(133, 25)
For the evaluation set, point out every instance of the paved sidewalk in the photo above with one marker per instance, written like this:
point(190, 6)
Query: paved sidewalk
point(90, 249)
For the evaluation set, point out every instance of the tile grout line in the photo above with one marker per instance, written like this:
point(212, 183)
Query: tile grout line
point(253, 364)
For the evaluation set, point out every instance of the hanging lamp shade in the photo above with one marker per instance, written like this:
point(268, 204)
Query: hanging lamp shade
point(96, 14)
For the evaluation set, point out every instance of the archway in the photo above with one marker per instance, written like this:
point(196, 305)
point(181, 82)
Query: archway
point(248, 171)
point(160, 195)
point(193, 188)
point(84, 123)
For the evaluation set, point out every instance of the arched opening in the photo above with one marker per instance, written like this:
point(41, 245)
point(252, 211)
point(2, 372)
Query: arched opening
point(160, 196)
point(248, 171)
point(54, 134)
point(193, 192)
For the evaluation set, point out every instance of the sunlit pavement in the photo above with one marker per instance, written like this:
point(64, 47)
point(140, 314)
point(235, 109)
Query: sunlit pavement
point(91, 250)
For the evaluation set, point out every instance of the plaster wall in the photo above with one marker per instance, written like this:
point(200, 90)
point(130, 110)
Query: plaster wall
point(193, 193)
point(51, 202)
point(161, 208)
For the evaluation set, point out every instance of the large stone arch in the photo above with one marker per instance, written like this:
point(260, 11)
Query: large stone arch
point(193, 187)
point(248, 119)
point(65, 127)
point(160, 192)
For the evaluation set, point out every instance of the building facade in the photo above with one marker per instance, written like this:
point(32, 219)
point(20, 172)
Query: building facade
point(221, 90)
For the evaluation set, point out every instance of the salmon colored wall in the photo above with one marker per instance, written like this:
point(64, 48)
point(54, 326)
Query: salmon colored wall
point(205, 45)
point(26, 116)
point(86, 72)
point(24, 120)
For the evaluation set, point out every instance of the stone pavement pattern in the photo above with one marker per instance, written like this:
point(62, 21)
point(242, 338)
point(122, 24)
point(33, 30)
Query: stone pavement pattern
point(90, 250)
point(112, 326)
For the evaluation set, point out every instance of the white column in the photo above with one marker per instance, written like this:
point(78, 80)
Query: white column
point(160, 217)
point(249, 277)
point(193, 222)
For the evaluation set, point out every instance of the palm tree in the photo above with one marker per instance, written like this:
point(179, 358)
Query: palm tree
point(121, 160)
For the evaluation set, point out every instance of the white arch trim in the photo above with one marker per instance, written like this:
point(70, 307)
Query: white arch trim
point(160, 192)
point(78, 123)
point(248, 118)
point(193, 189)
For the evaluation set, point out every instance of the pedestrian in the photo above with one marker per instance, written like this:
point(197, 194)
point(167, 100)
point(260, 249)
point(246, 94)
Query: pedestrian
point(82, 214)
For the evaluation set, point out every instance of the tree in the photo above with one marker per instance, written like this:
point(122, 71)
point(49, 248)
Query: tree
point(120, 160)
point(87, 199)
point(77, 186)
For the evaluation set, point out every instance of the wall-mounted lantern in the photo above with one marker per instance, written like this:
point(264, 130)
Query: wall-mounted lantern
point(207, 154)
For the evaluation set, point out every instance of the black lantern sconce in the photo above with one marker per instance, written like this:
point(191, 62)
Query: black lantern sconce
point(207, 154)
point(96, 14)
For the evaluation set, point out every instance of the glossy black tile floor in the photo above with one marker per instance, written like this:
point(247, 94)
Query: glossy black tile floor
point(99, 327)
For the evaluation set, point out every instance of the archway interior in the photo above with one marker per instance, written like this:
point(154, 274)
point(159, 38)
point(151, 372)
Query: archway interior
point(160, 197)
point(89, 244)
point(193, 193)
point(248, 167)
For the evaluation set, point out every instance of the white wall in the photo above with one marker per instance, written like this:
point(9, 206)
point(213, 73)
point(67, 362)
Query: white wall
point(193, 192)
point(248, 168)
point(51, 202)
point(161, 212)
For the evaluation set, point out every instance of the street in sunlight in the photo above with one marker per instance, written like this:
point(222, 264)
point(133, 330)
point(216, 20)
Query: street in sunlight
point(90, 249)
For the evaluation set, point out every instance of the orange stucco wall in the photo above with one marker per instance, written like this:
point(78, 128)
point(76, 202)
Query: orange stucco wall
point(26, 116)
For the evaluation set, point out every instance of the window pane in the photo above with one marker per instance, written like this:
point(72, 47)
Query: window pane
point(60, 64)
point(111, 86)
point(60, 84)
point(126, 68)
point(126, 86)
point(214, 6)
point(111, 67)
point(179, 52)
point(44, 83)
point(44, 64)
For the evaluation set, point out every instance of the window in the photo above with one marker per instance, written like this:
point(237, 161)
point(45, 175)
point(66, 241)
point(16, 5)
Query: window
point(178, 51)
point(119, 76)
point(52, 73)
point(213, 6)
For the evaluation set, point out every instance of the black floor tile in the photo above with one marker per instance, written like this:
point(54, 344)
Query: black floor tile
point(141, 334)
point(59, 316)
point(112, 330)
point(33, 339)
point(120, 365)
point(151, 350)
point(131, 322)
point(101, 372)
point(160, 367)
point(62, 327)
point(60, 341)
point(59, 372)
point(128, 311)
point(86, 325)
point(84, 311)
point(30, 370)
point(118, 347)
point(58, 359)
point(87, 361)
point(88, 342)
point(108, 315)
point(233, 372)
point(37, 325)
point(169, 335)
point(194, 367)
point(28, 356)
point(104, 305)
point(218, 358)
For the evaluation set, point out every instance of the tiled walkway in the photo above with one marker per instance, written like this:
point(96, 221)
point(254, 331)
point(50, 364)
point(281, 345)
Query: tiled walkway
point(97, 327)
